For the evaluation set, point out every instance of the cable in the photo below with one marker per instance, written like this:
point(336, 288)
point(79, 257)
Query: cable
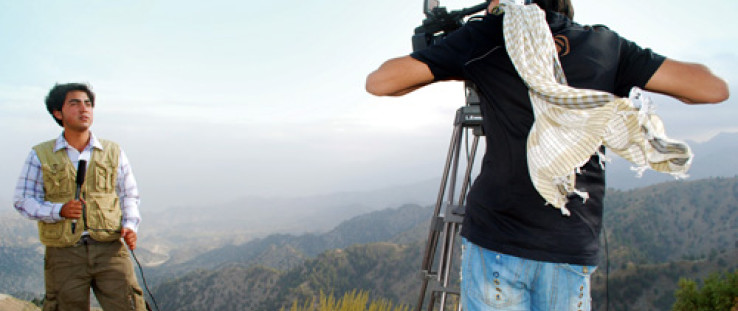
point(146, 286)
point(468, 156)
point(607, 270)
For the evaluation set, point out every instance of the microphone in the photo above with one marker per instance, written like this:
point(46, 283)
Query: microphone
point(81, 170)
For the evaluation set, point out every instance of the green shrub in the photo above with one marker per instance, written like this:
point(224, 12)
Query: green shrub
point(719, 293)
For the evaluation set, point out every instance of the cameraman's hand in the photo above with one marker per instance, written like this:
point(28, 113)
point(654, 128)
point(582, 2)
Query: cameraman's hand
point(492, 5)
point(72, 209)
point(129, 236)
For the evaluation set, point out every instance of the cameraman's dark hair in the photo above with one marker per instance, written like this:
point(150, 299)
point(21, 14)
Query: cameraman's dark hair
point(57, 95)
point(559, 6)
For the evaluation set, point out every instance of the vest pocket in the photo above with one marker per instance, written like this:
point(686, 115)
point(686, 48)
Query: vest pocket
point(104, 177)
point(52, 231)
point(104, 217)
point(58, 234)
point(56, 179)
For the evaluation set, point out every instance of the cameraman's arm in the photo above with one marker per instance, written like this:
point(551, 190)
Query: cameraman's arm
point(688, 82)
point(398, 76)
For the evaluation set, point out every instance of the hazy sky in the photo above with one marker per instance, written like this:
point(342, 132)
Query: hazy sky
point(215, 100)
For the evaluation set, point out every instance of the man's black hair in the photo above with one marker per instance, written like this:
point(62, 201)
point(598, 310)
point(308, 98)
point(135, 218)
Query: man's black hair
point(559, 6)
point(57, 95)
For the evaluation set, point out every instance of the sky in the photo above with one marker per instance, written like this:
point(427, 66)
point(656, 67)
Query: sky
point(217, 100)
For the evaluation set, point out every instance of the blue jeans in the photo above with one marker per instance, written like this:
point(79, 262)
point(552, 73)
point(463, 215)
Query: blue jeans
point(494, 281)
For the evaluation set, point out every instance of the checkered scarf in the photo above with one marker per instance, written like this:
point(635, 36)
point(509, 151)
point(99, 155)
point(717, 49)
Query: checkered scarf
point(571, 124)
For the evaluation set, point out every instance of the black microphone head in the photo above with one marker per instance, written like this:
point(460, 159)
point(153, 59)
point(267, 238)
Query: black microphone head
point(81, 170)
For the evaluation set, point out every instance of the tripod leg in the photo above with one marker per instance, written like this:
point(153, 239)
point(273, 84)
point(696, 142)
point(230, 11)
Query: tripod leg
point(467, 175)
point(445, 227)
point(433, 235)
point(455, 141)
point(451, 230)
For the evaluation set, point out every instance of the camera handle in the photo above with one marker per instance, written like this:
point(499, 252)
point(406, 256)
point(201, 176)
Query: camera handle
point(439, 22)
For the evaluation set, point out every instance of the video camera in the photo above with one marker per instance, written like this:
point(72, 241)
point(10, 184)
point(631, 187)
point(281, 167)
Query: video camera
point(439, 22)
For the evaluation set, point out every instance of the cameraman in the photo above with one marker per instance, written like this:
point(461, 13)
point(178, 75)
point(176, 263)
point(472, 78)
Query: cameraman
point(519, 253)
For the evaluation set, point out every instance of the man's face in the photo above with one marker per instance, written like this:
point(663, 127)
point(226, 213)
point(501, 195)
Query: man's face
point(76, 113)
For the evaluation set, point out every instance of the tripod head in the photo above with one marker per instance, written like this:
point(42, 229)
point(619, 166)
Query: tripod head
point(439, 22)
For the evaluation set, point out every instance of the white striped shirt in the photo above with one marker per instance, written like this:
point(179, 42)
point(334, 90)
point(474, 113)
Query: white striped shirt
point(29, 192)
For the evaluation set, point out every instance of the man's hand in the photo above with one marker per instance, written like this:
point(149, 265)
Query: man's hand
point(492, 5)
point(129, 236)
point(72, 209)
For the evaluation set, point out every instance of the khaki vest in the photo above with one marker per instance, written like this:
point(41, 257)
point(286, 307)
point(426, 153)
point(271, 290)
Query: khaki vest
point(102, 215)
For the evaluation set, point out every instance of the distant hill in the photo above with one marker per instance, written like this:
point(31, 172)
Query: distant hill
point(232, 287)
point(185, 232)
point(655, 236)
point(713, 158)
point(675, 220)
point(660, 233)
point(207, 228)
point(387, 269)
point(21, 270)
point(21, 257)
point(652, 286)
point(284, 251)
point(177, 235)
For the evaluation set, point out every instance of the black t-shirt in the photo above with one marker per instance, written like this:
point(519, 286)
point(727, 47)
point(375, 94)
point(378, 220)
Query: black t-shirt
point(504, 212)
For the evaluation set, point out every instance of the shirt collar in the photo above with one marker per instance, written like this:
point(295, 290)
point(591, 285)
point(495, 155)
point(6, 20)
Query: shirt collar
point(61, 142)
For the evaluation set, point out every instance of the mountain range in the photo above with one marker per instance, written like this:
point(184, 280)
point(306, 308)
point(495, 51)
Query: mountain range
point(656, 235)
point(206, 228)
point(281, 253)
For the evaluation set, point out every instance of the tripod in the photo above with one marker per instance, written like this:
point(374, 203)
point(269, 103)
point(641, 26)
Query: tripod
point(444, 228)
